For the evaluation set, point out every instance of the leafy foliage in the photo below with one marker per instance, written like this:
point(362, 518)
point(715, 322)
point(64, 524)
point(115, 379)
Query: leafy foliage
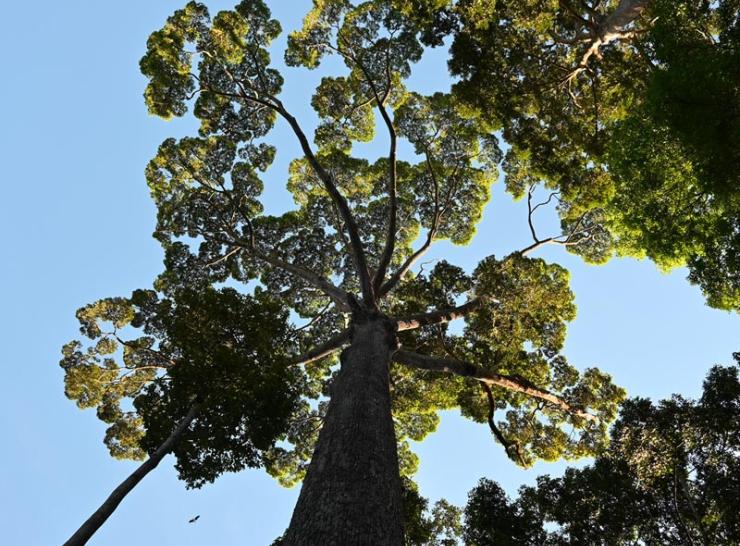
point(634, 122)
point(197, 347)
point(353, 230)
point(669, 477)
point(492, 518)
point(440, 526)
point(521, 335)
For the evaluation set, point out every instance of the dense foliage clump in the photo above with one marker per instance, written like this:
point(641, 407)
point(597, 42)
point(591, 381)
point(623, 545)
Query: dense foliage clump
point(669, 477)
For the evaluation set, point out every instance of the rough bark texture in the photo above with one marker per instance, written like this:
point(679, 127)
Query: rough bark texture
point(352, 491)
point(93, 523)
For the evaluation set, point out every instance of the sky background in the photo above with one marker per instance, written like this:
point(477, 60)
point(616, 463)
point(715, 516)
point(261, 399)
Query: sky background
point(76, 222)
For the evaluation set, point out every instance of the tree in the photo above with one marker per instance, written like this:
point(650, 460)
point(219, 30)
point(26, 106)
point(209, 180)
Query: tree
point(670, 476)
point(439, 527)
point(106, 509)
point(272, 394)
point(628, 110)
point(203, 384)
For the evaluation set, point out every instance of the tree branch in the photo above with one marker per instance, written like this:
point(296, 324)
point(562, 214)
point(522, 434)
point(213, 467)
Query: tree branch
point(613, 27)
point(511, 448)
point(387, 254)
point(313, 321)
point(411, 260)
point(530, 211)
point(440, 317)
point(358, 250)
point(169, 362)
point(466, 369)
point(385, 258)
point(330, 346)
point(568, 241)
point(336, 294)
point(333, 292)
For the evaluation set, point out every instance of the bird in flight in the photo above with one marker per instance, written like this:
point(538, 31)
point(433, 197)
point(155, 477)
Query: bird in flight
point(193, 520)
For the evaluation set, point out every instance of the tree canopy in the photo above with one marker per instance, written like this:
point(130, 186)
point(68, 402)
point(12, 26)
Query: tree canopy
point(213, 347)
point(670, 476)
point(628, 109)
point(247, 318)
point(207, 191)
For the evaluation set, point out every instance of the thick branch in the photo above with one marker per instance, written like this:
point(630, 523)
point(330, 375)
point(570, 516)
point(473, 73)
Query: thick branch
point(93, 523)
point(537, 244)
point(530, 211)
point(336, 294)
point(439, 317)
point(612, 28)
point(408, 264)
point(562, 240)
point(626, 13)
point(387, 255)
point(330, 346)
point(411, 260)
point(466, 369)
point(390, 242)
point(358, 250)
point(385, 258)
point(550, 241)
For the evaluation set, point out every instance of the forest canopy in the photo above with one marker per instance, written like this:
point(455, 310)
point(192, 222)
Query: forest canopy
point(231, 355)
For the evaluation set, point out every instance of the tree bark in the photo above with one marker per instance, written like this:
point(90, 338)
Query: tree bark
point(626, 13)
point(93, 523)
point(352, 491)
point(614, 26)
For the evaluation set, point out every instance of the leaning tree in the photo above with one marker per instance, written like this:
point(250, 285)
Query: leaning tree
point(222, 377)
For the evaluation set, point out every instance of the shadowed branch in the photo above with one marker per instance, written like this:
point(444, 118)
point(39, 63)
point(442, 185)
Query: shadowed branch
point(330, 346)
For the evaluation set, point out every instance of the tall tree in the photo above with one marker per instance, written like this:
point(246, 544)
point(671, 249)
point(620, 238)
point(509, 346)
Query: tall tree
point(628, 109)
point(342, 261)
point(669, 477)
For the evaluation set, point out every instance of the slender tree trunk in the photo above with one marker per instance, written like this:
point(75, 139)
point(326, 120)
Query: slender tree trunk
point(352, 491)
point(93, 523)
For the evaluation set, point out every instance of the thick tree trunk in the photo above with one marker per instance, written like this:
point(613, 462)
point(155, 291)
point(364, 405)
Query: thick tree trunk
point(352, 491)
point(93, 523)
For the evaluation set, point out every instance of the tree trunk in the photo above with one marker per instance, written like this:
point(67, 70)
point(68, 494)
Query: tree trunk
point(93, 523)
point(352, 491)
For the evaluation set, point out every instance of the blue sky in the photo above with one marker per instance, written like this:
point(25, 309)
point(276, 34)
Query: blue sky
point(76, 223)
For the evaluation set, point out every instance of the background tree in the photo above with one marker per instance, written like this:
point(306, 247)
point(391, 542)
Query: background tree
point(198, 348)
point(670, 476)
point(627, 109)
point(198, 382)
point(342, 262)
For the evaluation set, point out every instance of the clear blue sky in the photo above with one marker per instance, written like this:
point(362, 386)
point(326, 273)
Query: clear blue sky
point(76, 223)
